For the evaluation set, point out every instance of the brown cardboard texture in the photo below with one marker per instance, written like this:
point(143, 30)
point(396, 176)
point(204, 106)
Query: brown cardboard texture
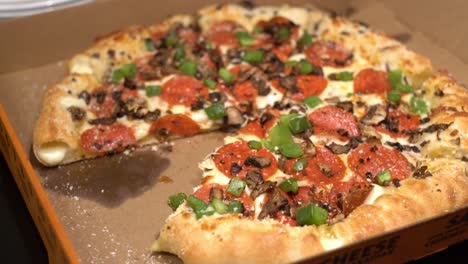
point(109, 210)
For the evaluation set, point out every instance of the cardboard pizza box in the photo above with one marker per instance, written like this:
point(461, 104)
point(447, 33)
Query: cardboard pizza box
point(109, 210)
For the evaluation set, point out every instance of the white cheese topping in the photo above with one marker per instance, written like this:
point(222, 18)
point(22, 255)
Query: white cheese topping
point(375, 193)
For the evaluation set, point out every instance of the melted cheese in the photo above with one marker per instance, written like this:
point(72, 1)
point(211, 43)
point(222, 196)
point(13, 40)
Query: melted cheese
point(69, 101)
point(52, 153)
point(375, 193)
point(139, 127)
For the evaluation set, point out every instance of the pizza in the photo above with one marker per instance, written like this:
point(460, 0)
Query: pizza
point(336, 133)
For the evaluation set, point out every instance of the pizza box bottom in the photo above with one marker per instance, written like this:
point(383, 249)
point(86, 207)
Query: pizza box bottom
point(110, 209)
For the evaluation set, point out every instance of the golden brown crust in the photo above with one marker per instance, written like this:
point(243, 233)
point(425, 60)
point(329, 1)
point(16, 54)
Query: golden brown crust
point(234, 239)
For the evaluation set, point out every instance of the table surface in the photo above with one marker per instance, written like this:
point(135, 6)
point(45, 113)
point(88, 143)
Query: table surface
point(21, 242)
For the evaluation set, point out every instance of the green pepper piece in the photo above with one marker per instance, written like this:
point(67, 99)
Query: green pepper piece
point(395, 77)
point(311, 215)
point(280, 134)
point(418, 106)
point(253, 56)
point(404, 88)
point(174, 201)
point(292, 150)
point(344, 76)
point(289, 185)
point(306, 39)
point(188, 67)
point(226, 75)
point(171, 40)
point(219, 206)
point(209, 210)
point(236, 186)
point(268, 145)
point(254, 144)
point(179, 54)
point(196, 203)
point(284, 33)
point(284, 119)
point(126, 70)
point(210, 84)
point(300, 164)
point(312, 101)
point(245, 39)
point(394, 96)
point(383, 178)
point(149, 44)
point(152, 90)
point(305, 67)
point(291, 63)
point(215, 111)
point(298, 124)
point(235, 207)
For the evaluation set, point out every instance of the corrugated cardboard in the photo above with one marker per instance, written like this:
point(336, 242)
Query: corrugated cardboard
point(109, 210)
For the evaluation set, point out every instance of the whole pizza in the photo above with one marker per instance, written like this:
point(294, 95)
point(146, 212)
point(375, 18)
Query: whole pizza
point(335, 133)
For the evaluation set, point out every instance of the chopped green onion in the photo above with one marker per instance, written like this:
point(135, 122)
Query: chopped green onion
point(210, 84)
point(268, 145)
point(172, 40)
point(149, 44)
point(291, 63)
point(236, 186)
point(284, 33)
point(306, 39)
point(219, 206)
point(254, 144)
point(196, 203)
point(344, 76)
point(298, 124)
point(235, 207)
point(179, 54)
point(215, 111)
point(305, 67)
point(127, 70)
point(292, 150)
point(300, 164)
point(280, 134)
point(209, 210)
point(245, 39)
point(175, 200)
point(404, 88)
point(152, 90)
point(311, 215)
point(418, 106)
point(312, 101)
point(188, 67)
point(394, 96)
point(253, 56)
point(226, 75)
point(289, 185)
point(383, 178)
point(395, 77)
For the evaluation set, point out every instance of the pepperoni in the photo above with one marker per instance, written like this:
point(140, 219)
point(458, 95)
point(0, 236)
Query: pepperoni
point(106, 138)
point(398, 123)
point(325, 53)
point(223, 33)
point(371, 81)
point(309, 85)
point(285, 219)
point(103, 101)
point(188, 36)
point(278, 22)
point(333, 120)
point(158, 35)
point(255, 128)
point(303, 196)
point(324, 168)
point(182, 90)
point(283, 52)
point(175, 124)
point(245, 91)
point(203, 193)
point(237, 152)
point(346, 196)
point(368, 160)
